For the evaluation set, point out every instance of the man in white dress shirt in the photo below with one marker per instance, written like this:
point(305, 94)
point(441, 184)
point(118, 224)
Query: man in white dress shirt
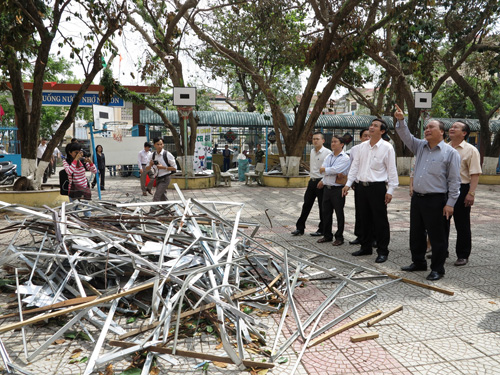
point(364, 135)
point(374, 166)
point(318, 155)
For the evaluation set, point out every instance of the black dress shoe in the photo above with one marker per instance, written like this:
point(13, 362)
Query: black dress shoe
point(381, 259)
point(434, 275)
point(414, 267)
point(361, 252)
point(324, 239)
point(316, 234)
point(355, 242)
point(297, 232)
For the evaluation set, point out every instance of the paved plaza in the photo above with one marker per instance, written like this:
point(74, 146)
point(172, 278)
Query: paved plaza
point(434, 333)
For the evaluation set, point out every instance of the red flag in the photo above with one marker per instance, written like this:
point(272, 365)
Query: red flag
point(52, 84)
point(2, 112)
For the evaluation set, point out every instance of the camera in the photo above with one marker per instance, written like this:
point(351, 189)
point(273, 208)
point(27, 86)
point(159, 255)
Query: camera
point(86, 154)
point(155, 162)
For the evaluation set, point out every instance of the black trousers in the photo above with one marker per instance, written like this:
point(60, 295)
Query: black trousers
point(102, 173)
point(312, 192)
point(333, 201)
point(373, 213)
point(461, 217)
point(426, 216)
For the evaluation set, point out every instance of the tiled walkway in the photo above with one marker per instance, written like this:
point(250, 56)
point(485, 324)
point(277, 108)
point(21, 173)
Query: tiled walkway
point(433, 334)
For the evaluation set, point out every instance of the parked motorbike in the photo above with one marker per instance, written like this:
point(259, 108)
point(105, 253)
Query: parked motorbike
point(7, 173)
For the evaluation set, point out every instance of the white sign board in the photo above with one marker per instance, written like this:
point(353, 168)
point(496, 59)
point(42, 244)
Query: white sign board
point(102, 114)
point(423, 100)
point(121, 153)
point(185, 96)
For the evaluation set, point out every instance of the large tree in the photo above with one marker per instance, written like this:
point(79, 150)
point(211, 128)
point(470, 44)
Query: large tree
point(424, 48)
point(28, 30)
point(333, 39)
point(160, 26)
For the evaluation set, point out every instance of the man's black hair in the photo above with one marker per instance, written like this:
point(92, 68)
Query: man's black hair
point(383, 124)
point(157, 139)
point(320, 133)
point(465, 128)
point(362, 131)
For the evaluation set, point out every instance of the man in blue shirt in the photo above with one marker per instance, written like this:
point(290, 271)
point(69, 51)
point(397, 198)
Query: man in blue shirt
point(436, 184)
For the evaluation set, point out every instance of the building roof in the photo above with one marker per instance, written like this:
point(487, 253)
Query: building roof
point(241, 119)
point(244, 119)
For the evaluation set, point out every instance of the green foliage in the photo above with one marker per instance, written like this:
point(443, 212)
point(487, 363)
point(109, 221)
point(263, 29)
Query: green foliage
point(451, 101)
point(268, 34)
point(49, 118)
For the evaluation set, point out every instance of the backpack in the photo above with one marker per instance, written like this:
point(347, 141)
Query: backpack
point(63, 182)
point(166, 160)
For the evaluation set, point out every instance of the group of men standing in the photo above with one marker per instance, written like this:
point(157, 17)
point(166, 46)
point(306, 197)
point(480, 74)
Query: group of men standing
point(444, 183)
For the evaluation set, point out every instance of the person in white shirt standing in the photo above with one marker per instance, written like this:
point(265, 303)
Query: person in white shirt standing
point(318, 155)
point(164, 162)
point(39, 153)
point(374, 166)
point(364, 135)
point(143, 160)
point(334, 168)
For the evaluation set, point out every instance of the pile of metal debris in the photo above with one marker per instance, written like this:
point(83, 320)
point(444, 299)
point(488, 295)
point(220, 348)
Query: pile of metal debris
point(190, 268)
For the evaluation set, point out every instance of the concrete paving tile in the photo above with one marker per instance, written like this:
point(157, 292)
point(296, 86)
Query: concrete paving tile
point(390, 334)
point(486, 343)
point(369, 356)
point(436, 369)
point(478, 366)
point(453, 349)
point(413, 354)
point(327, 362)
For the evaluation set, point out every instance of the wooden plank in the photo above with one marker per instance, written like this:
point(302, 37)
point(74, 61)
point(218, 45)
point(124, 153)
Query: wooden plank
point(384, 315)
point(364, 336)
point(190, 354)
point(93, 303)
point(422, 285)
point(198, 310)
point(343, 328)
point(58, 305)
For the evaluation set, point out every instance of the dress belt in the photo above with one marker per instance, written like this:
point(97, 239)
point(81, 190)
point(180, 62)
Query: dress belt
point(428, 194)
point(315, 179)
point(367, 183)
point(330, 187)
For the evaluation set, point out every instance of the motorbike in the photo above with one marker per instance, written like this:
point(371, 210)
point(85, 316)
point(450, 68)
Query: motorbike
point(7, 173)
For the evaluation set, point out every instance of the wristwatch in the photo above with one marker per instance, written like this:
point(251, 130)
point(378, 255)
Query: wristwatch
point(473, 193)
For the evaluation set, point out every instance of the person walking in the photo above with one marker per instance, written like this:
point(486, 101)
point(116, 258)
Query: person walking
point(334, 168)
point(143, 160)
point(374, 167)
point(470, 169)
point(163, 165)
point(101, 166)
point(436, 184)
point(318, 155)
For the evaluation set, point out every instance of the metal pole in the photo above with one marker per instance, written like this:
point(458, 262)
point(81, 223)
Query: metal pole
point(267, 147)
point(91, 128)
point(185, 152)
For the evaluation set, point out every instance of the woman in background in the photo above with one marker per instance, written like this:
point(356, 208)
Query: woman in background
point(101, 166)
